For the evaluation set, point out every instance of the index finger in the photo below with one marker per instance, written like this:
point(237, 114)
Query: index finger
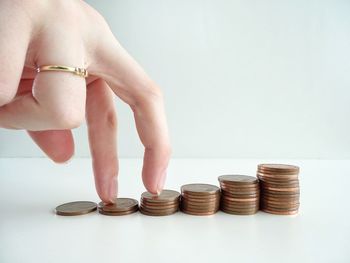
point(129, 82)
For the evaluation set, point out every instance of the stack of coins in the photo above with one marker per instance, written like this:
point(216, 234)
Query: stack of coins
point(279, 188)
point(166, 203)
point(239, 194)
point(200, 199)
point(121, 206)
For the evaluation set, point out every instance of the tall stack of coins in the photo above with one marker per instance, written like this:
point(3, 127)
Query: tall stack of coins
point(200, 199)
point(239, 194)
point(279, 188)
point(121, 206)
point(166, 203)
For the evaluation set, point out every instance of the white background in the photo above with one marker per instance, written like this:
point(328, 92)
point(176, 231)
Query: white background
point(241, 79)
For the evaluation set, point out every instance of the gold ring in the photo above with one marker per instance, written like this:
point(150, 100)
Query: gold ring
point(82, 72)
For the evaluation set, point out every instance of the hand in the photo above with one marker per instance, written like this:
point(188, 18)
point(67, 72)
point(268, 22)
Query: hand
point(50, 104)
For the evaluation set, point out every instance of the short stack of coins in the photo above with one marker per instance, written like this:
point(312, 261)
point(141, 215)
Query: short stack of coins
point(120, 207)
point(200, 199)
point(239, 194)
point(166, 203)
point(279, 184)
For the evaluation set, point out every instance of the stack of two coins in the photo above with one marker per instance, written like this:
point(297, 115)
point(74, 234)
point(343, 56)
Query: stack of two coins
point(279, 188)
point(166, 203)
point(200, 199)
point(239, 194)
point(121, 206)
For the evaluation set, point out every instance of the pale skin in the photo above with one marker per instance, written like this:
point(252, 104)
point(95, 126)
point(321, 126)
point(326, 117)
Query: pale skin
point(49, 104)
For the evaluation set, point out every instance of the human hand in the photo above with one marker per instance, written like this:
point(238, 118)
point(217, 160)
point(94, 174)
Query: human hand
point(49, 104)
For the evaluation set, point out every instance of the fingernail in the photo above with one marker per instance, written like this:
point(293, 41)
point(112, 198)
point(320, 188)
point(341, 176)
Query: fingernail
point(161, 183)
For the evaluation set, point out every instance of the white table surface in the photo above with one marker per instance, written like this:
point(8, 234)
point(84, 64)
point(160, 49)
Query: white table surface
point(30, 232)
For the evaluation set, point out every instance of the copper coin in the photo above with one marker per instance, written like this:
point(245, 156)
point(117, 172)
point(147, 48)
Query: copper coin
point(278, 207)
point(239, 189)
point(153, 207)
point(200, 189)
point(280, 184)
point(238, 179)
point(240, 193)
point(279, 195)
point(148, 203)
point(208, 213)
point(76, 208)
point(240, 196)
point(264, 206)
point(101, 211)
point(241, 209)
point(240, 200)
point(120, 205)
point(239, 186)
point(278, 177)
point(239, 213)
point(293, 189)
point(250, 203)
point(280, 212)
point(201, 207)
point(272, 199)
point(165, 196)
point(145, 212)
point(207, 198)
point(200, 201)
point(157, 210)
point(278, 167)
point(278, 180)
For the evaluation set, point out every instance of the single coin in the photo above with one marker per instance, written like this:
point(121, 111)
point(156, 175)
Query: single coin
point(145, 212)
point(153, 207)
point(153, 210)
point(283, 186)
point(236, 179)
point(240, 196)
point(194, 213)
point(276, 199)
point(280, 212)
point(165, 196)
point(197, 207)
point(76, 208)
point(279, 207)
point(239, 213)
point(264, 206)
point(119, 205)
point(279, 188)
point(279, 195)
point(200, 189)
point(199, 200)
point(240, 200)
point(150, 203)
point(279, 167)
point(101, 211)
point(278, 177)
point(243, 204)
point(240, 189)
point(205, 198)
point(240, 209)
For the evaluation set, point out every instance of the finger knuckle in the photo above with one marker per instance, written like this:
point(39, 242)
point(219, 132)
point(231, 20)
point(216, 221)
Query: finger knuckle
point(146, 93)
point(67, 117)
